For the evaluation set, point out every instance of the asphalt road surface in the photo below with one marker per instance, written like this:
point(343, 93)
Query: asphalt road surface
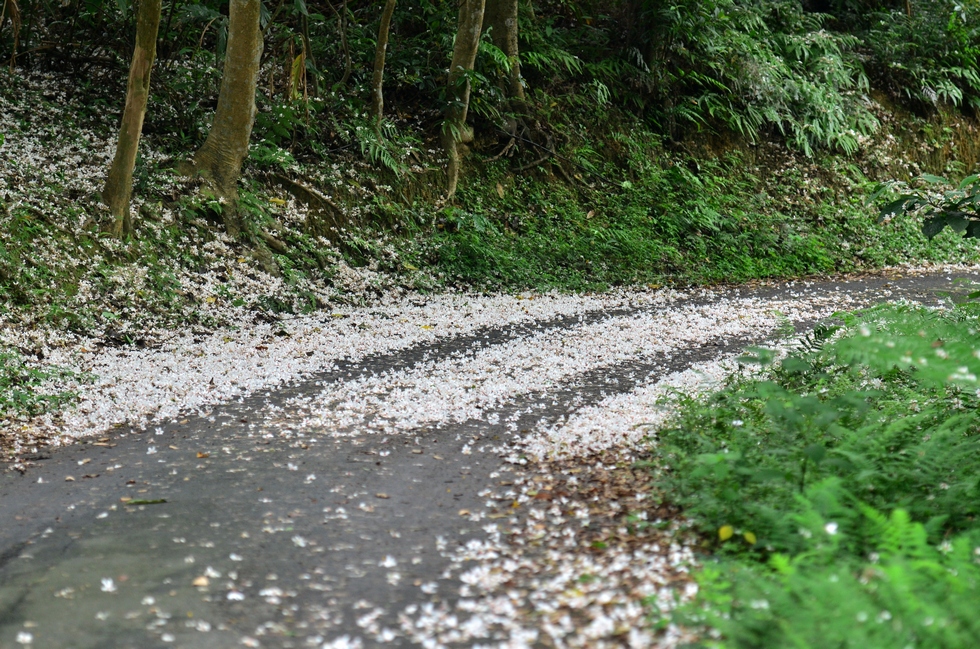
point(257, 526)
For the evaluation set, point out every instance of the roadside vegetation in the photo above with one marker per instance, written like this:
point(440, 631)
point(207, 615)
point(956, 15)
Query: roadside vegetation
point(838, 490)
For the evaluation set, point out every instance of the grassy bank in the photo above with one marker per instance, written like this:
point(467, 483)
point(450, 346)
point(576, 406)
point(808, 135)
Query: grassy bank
point(838, 492)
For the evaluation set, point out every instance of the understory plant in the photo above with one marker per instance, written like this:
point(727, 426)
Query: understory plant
point(29, 389)
point(933, 199)
point(839, 491)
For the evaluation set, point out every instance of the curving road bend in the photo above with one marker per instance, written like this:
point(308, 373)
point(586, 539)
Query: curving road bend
point(469, 489)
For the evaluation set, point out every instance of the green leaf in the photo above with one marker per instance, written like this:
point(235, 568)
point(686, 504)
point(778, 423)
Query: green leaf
point(898, 206)
point(933, 226)
point(795, 365)
point(815, 453)
point(969, 180)
point(768, 475)
point(933, 180)
point(959, 224)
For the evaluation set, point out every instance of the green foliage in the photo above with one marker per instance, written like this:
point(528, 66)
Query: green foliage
point(757, 66)
point(926, 198)
point(851, 486)
point(930, 57)
point(912, 594)
point(667, 221)
point(30, 389)
point(939, 350)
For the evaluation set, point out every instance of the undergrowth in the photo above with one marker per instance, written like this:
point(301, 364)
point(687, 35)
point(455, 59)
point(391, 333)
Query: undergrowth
point(839, 491)
point(27, 389)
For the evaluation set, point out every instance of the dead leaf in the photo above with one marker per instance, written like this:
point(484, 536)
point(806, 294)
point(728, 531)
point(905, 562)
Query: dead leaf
point(383, 496)
point(173, 447)
point(69, 479)
point(200, 582)
point(500, 190)
point(464, 512)
point(203, 455)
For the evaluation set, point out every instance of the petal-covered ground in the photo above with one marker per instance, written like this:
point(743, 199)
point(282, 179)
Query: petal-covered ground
point(454, 471)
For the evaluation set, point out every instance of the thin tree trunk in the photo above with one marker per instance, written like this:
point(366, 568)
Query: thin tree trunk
point(454, 130)
point(308, 52)
point(119, 185)
point(377, 96)
point(15, 24)
point(166, 30)
point(344, 45)
point(501, 18)
point(219, 161)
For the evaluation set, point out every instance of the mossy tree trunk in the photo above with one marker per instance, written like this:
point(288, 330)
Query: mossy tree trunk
point(501, 18)
point(220, 160)
point(118, 188)
point(455, 133)
point(377, 95)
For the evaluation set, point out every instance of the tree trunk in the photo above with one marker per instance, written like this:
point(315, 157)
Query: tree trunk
point(377, 97)
point(119, 185)
point(219, 161)
point(454, 130)
point(501, 18)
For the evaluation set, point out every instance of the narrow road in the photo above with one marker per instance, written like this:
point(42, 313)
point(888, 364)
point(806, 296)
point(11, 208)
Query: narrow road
point(466, 490)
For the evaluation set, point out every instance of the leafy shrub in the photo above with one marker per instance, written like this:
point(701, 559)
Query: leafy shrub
point(757, 67)
point(841, 488)
point(938, 207)
point(930, 56)
point(30, 390)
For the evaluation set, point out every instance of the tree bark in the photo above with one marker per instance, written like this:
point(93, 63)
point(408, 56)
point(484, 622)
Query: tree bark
point(119, 185)
point(377, 96)
point(219, 161)
point(454, 130)
point(501, 18)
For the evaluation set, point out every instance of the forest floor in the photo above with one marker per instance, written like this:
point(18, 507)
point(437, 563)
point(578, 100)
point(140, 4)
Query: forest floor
point(435, 471)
